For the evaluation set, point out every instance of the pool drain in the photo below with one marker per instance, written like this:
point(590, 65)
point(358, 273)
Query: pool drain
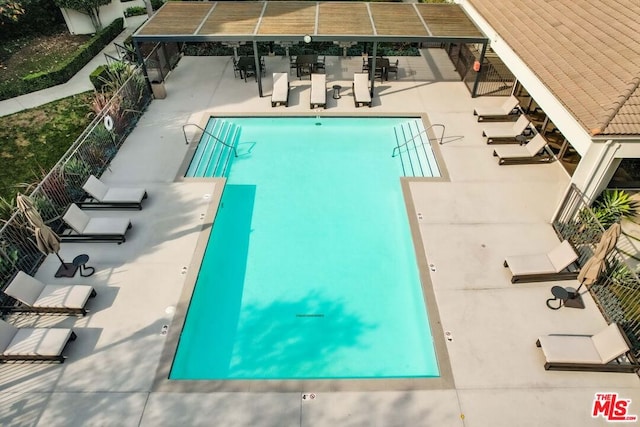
point(309, 315)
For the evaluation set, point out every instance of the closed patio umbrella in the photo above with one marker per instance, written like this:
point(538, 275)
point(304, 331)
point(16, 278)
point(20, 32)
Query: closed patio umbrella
point(47, 240)
point(595, 265)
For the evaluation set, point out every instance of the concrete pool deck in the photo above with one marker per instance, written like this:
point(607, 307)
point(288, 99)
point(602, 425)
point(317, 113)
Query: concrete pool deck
point(468, 224)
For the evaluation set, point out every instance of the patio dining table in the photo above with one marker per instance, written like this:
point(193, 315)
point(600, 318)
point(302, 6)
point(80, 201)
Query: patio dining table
point(246, 63)
point(383, 65)
point(305, 62)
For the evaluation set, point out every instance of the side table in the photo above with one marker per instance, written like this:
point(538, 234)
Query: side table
point(560, 294)
point(81, 262)
point(336, 91)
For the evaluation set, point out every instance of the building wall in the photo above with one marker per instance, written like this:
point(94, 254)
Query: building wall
point(80, 23)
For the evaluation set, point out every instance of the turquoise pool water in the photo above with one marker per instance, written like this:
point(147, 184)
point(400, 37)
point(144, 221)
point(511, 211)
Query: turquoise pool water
point(310, 270)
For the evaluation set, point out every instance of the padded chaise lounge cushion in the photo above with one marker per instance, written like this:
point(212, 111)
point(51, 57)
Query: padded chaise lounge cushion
point(280, 93)
point(82, 223)
point(531, 149)
point(318, 89)
point(601, 348)
point(507, 106)
point(510, 130)
point(553, 262)
point(103, 193)
point(34, 293)
point(361, 88)
point(32, 341)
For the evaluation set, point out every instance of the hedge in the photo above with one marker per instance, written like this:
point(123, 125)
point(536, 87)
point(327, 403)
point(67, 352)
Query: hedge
point(66, 70)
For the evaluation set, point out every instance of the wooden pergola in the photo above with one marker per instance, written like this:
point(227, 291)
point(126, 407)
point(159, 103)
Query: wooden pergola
point(305, 21)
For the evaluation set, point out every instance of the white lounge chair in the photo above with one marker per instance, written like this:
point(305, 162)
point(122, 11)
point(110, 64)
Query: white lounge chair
point(43, 298)
point(600, 352)
point(360, 85)
point(502, 112)
point(33, 344)
point(106, 197)
point(506, 132)
point(88, 229)
point(280, 94)
point(543, 267)
point(318, 90)
point(530, 153)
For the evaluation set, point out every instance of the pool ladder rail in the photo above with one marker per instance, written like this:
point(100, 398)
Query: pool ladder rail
point(416, 155)
point(214, 152)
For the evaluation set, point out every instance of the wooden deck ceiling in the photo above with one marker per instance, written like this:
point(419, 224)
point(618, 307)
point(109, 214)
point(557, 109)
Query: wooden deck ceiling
point(323, 21)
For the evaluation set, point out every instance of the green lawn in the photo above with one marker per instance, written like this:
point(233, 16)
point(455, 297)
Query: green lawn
point(32, 141)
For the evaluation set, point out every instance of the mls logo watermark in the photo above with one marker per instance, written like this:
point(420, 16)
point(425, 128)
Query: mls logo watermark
point(612, 408)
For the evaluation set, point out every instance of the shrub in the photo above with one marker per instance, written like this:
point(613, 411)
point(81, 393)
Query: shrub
point(135, 11)
point(64, 71)
point(156, 4)
point(98, 77)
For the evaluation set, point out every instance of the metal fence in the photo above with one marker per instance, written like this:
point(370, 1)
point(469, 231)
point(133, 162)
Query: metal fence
point(495, 79)
point(90, 154)
point(616, 291)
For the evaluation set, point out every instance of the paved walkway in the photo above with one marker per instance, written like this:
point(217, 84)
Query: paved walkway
point(77, 84)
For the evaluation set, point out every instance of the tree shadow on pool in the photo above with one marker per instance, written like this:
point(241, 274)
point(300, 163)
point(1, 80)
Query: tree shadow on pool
point(307, 338)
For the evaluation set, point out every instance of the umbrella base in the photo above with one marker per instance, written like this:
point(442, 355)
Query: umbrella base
point(66, 270)
point(574, 300)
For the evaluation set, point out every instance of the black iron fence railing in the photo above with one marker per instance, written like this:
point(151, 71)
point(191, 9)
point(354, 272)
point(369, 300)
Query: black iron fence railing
point(90, 154)
point(617, 289)
point(494, 78)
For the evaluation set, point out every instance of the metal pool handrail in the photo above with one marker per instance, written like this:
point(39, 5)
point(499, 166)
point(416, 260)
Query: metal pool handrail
point(393, 154)
point(186, 141)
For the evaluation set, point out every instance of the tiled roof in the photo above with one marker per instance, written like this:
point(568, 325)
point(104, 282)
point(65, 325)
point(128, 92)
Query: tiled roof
point(587, 52)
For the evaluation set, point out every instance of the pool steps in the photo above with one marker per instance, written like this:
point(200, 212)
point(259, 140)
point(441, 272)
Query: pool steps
point(213, 158)
point(414, 150)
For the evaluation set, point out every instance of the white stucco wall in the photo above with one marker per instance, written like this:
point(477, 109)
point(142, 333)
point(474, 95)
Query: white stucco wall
point(79, 23)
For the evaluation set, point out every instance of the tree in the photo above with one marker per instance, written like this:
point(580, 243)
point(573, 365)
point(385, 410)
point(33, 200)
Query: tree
point(88, 7)
point(10, 11)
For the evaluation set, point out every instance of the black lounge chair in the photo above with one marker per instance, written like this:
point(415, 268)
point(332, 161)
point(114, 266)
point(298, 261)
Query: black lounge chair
point(554, 265)
point(88, 229)
point(508, 111)
point(507, 133)
point(40, 298)
point(606, 351)
point(533, 152)
point(360, 86)
point(105, 197)
point(33, 344)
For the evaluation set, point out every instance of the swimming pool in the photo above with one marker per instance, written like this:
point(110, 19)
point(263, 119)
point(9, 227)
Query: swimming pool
point(310, 270)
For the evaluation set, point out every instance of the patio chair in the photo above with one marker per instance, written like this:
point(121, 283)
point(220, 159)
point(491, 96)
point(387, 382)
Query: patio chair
point(33, 344)
point(320, 64)
point(360, 86)
point(88, 229)
point(293, 64)
point(506, 133)
point(553, 265)
point(508, 110)
point(318, 90)
point(602, 352)
point(532, 152)
point(393, 68)
point(105, 197)
point(280, 94)
point(38, 297)
point(236, 70)
point(365, 65)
